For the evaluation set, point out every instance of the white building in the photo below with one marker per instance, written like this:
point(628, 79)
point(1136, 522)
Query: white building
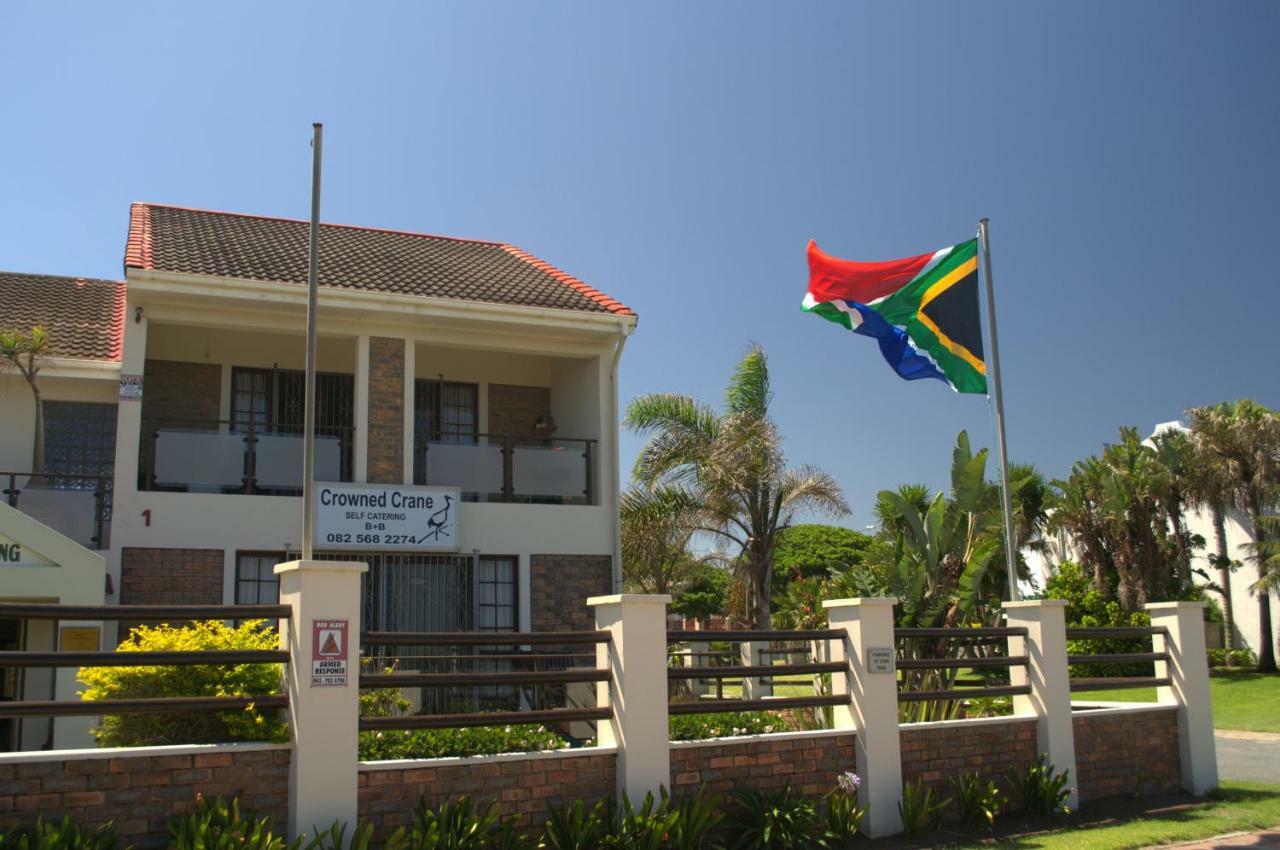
point(464, 372)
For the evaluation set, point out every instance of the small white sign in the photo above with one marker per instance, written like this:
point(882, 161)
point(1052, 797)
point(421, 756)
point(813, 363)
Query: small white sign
point(387, 517)
point(880, 659)
point(131, 388)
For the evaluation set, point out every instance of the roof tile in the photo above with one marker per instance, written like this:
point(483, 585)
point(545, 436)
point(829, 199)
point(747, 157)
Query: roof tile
point(235, 245)
point(83, 317)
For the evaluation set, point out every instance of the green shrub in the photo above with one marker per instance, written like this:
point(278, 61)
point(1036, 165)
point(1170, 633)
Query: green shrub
point(335, 838)
point(645, 828)
point(699, 727)
point(773, 820)
point(443, 743)
point(461, 825)
point(209, 680)
point(977, 802)
point(921, 810)
point(573, 826)
point(1242, 657)
point(60, 835)
point(1086, 608)
point(1040, 790)
point(219, 824)
point(697, 817)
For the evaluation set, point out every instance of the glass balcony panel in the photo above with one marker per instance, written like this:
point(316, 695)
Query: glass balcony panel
point(69, 512)
point(199, 460)
point(549, 472)
point(278, 460)
point(473, 468)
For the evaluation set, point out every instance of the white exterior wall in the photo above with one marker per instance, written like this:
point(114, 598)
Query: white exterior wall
point(571, 359)
point(90, 383)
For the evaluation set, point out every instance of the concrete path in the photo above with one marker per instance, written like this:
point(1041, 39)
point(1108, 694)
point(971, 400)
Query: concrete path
point(1269, 838)
point(1248, 756)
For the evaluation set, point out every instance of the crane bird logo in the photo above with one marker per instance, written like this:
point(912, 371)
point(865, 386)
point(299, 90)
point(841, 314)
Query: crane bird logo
point(439, 522)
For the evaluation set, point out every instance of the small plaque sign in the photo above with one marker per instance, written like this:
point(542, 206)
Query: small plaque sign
point(78, 638)
point(328, 653)
point(131, 388)
point(880, 659)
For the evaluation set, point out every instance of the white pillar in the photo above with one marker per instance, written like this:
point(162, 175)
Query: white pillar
point(1188, 688)
point(325, 598)
point(637, 657)
point(873, 708)
point(751, 654)
point(1046, 672)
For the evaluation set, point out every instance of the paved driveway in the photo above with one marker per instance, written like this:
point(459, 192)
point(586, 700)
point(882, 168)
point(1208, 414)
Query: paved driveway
point(1248, 756)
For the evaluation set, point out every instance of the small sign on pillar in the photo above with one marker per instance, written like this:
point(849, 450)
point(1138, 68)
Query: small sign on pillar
point(329, 653)
point(880, 659)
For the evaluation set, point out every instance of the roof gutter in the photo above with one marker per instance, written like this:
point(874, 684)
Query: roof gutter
point(625, 329)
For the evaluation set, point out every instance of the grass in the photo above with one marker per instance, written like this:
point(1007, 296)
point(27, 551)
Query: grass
point(1242, 700)
point(1236, 807)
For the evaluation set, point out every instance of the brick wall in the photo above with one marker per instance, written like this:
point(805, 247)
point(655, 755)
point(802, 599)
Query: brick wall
point(809, 763)
point(170, 576)
point(513, 409)
point(182, 391)
point(559, 586)
point(386, 410)
point(523, 786)
point(1135, 752)
point(139, 792)
point(935, 754)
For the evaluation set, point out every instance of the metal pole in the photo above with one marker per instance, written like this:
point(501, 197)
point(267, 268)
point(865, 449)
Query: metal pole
point(997, 396)
point(309, 404)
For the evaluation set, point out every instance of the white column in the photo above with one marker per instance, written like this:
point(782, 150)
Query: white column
point(749, 654)
point(873, 708)
point(324, 715)
point(1188, 672)
point(360, 454)
point(637, 657)
point(410, 373)
point(1046, 672)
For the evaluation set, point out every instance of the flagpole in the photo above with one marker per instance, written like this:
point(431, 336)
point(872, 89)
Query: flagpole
point(309, 404)
point(997, 396)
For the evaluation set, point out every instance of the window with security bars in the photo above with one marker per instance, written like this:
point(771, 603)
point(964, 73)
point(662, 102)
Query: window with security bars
point(256, 581)
point(79, 440)
point(273, 401)
point(443, 412)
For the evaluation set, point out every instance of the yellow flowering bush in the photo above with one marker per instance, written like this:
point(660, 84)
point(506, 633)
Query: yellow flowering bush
point(206, 680)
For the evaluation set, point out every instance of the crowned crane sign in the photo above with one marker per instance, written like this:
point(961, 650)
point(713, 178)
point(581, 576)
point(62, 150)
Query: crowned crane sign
point(386, 517)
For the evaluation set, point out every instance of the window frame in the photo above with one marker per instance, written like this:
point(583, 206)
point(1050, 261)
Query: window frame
point(76, 457)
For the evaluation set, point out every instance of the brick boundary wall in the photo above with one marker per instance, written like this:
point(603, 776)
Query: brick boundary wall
point(1127, 751)
point(934, 753)
point(386, 410)
point(139, 790)
point(808, 761)
point(522, 783)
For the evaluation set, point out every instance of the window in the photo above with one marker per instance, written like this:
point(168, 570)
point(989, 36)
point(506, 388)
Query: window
point(496, 595)
point(443, 412)
point(79, 440)
point(256, 581)
point(250, 399)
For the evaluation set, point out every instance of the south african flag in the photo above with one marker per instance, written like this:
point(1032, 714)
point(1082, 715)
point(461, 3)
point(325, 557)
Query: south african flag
point(923, 310)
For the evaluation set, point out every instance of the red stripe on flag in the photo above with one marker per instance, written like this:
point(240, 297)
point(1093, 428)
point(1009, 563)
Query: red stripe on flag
point(831, 278)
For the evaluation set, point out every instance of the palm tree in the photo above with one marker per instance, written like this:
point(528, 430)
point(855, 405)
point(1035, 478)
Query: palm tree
point(731, 464)
point(1176, 452)
point(657, 525)
point(1245, 435)
point(1213, 489)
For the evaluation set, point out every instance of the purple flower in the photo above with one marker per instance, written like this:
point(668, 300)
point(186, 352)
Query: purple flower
point(849, 782)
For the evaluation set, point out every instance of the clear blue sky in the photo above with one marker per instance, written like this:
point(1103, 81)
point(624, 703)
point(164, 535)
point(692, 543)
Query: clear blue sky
point(679, 155)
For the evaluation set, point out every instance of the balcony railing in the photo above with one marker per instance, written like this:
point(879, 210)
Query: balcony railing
point(78, 506)
point(237, 457)
point(501, 468)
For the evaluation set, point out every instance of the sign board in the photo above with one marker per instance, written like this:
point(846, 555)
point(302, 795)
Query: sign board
point(131, 388)
point(14, 554)
point(329, 646)
point(78, 638)
point(880, 659)
point(388, 517)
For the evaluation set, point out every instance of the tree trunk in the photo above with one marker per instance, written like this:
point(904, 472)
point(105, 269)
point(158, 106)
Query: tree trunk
point(1224, 578)
point(37, 444)
point(1266, 649)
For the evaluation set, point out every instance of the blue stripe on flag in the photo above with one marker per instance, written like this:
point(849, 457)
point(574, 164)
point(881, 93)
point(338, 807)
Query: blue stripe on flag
point(895, 345)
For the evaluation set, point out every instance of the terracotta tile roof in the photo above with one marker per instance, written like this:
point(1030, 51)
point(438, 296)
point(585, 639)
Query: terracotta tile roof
point(221, 244)
point(83, 317)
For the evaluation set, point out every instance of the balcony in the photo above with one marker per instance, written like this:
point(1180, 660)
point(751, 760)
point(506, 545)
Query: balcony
point(76, 506)
point(500, 468)
point(194, 456)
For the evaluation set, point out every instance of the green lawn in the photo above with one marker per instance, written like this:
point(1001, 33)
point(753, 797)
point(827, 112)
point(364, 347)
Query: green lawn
point(1237, 807)
point(1242, 700)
